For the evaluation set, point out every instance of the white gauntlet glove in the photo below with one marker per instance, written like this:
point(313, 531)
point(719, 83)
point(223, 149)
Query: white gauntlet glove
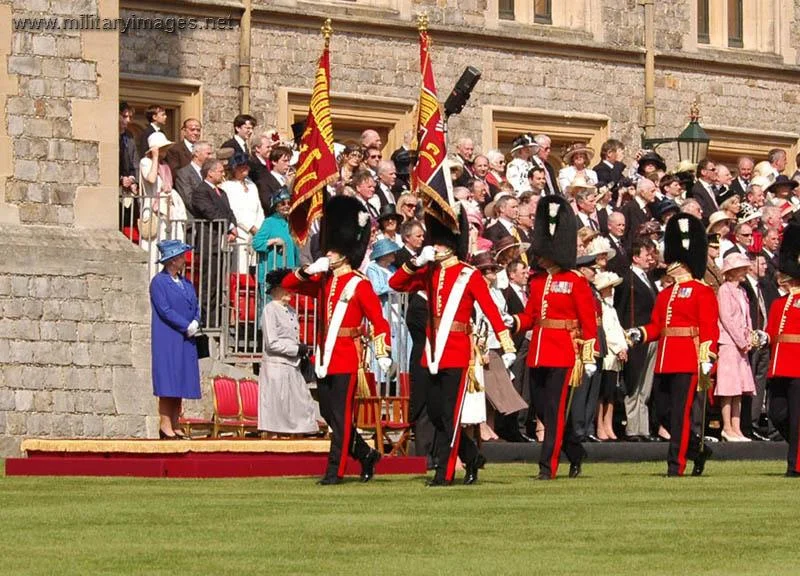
point(509, 358)
point(319, 266)
point(589, 370)
point(705, 367)
point(385, 363)
point(428, 254)
point(192, 328)
point(634, 335)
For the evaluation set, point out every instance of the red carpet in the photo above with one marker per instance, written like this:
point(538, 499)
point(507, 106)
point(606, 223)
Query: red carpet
point(194, 459)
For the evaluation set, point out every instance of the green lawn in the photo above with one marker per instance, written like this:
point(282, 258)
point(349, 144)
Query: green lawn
point(742, 518)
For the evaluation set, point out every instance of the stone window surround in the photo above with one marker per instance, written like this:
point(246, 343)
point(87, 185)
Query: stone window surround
point(584, 15)
point(764, 28)
point(395, 116)
point(502, 123)
point(183, 95)
point(728, 143)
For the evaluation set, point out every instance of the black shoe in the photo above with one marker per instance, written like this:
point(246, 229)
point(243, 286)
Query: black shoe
point(472, 469)
point(164, 436)
point(329, 480)
point(437, 481)
point(368, 465)
point(700, 461)
point(757, 437)
point(526, 438)
point(634, 439)
point(574, 470)
point(792, 474)
point(658, 438)
point(593, 438)
point(543, 476)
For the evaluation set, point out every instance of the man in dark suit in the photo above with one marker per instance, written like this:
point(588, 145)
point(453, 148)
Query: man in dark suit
point(743, 233)
point(387, 178)
point(540, 159)
point(752, 406)
point(211, 204)
point(610, 170)
point(128, 174)
point(703, 191)
point(620, 263)
point(156, 120)
point(637, 211)
point(634, 300)
point(243, 126)
point(413, 235)
point(743, 176)
point(188, 178)
point(277, 178)
point(507, 210)
point(180, 153)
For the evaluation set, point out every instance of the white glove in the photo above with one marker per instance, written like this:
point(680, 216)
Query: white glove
point(508, 321)
point(428, 254)
point(634, 335)
point(319, 266)
point(589, 370)
point(192, 328)
point(705, 367)
point(385, 363)
point(763, 338)
point(509, 358)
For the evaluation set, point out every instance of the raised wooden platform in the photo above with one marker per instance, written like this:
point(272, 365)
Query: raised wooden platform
point(188, 458)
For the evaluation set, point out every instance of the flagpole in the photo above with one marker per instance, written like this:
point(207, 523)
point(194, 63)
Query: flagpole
point(321, 321)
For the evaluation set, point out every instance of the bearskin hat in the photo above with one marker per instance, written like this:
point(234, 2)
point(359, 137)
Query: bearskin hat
point(438, 233)
point(555, 231)
point(685, 241)
point(789, 253)
point(346, 229)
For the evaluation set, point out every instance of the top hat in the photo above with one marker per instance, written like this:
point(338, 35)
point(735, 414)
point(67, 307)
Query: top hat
point(169, 249)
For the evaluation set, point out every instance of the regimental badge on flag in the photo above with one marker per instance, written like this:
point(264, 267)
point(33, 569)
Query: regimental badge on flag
point(316, 165)
point(431, 175)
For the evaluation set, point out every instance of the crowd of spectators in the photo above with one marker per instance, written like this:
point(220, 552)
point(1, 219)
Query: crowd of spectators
point(621, 202)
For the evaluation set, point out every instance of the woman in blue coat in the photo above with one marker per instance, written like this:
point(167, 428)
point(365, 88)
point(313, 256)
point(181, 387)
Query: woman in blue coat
point(175, 322)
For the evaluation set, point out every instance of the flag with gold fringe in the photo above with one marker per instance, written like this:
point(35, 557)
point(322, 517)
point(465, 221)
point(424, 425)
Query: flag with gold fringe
point(316, 165)
point(431, 175)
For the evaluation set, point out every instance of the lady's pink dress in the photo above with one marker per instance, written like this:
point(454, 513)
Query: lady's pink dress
point(734, 377)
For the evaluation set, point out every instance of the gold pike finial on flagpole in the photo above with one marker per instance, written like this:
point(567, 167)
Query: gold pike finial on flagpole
point(327, 30)
point(422, 21)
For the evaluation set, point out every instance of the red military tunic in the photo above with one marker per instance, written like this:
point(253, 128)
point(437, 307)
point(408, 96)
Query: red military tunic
point(345, 358)
point(783, 327)
point(560, 305)
point(438, 281)
point(685, 320)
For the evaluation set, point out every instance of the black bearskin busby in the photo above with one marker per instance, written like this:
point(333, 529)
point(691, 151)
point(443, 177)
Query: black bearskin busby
point(789, 253)
point(274, 278)
point(686, 241)
point(438, 233)
point(555, 231)
point(346, 229)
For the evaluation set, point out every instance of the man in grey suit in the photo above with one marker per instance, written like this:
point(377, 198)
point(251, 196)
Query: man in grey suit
point(188, 178)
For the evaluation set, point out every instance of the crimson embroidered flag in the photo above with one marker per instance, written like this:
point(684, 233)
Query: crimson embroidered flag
point(316, 165)
point(431, 175)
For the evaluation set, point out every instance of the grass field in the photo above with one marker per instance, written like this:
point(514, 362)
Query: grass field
point(742, 518)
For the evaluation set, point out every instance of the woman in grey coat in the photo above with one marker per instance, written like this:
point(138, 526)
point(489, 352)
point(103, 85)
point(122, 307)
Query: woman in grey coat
point(285, 405)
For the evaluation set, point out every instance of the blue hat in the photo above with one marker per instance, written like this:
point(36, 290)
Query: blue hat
point(238, 159)
point(383, 247)
point(171, 248)
point(281, 195)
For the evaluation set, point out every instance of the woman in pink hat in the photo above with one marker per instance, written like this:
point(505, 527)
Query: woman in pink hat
point(734, 376)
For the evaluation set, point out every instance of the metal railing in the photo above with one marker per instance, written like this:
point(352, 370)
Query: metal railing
point(228, 277)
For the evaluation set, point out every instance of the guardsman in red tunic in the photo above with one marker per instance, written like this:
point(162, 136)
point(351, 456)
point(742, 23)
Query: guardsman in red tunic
point(685, 323)
point(452, 288)
point(783, 328)
point(563, 347)
point(346, 299)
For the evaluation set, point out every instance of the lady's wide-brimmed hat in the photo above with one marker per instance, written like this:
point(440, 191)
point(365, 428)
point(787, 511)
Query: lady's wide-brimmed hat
point(651, 157)
point(157, 140)
point(735, 261)
point(389, 212)
point(169, 249)
point(524, 141)
point(716, 218)
point(748, 213)
point(600, 246)
point(606, 279)
point(782, 180)
point(484, 262)
point(507, 243)
point(580, 183)
point(238, 159)
point(578, 148)
point(383, 247)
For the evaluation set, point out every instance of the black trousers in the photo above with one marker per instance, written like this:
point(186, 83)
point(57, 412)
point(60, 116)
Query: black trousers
point(445, 396)
point(751, 405)
point(551, 393)
point(418, 403)
point(675, 395)
point(336, 395)
point(584, 405)
point(784, 411)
